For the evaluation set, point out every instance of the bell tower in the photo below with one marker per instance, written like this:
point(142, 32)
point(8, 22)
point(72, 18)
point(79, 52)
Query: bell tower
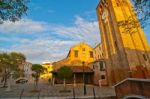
point(125, 46)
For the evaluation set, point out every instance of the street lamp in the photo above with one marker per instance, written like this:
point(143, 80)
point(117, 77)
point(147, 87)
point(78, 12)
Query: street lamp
point(84, 84)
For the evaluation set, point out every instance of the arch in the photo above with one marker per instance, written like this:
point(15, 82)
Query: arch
point(134, 97)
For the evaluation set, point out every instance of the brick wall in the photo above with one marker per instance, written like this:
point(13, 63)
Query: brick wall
point(133, 87)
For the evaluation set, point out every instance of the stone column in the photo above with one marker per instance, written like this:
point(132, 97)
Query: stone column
point(74, 79)
point(53, 81)
point(9, 83)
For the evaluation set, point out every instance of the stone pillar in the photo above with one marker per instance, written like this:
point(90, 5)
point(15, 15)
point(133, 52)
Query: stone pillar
point(9, 83)
point(74, 79)
point(53, 81)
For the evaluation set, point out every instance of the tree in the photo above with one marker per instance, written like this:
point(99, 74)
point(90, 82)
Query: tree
point(0, 69)
point(38, 70)
point(10, 62)
point(142, 9)
point(18, 73)
point(12, 10)
point(64, 73)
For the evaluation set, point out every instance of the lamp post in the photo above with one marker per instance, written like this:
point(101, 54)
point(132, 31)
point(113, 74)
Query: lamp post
point(84, 84)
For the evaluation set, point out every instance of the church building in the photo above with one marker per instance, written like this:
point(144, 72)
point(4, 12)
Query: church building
point(125, 46)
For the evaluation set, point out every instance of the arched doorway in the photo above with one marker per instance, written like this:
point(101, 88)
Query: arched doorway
point(134, 97)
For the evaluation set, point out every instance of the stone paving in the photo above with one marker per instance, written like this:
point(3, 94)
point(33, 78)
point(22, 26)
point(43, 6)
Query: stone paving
point(54, 92)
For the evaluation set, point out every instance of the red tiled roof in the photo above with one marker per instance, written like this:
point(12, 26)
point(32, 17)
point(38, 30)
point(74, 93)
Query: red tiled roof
point(79, 69)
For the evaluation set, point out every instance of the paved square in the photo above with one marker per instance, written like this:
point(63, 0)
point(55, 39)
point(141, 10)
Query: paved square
point(54, 91)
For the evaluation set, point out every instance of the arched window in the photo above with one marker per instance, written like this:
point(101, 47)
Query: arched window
point(102, 76)
point(144, 56)
point(91, 54)
point(76, 53)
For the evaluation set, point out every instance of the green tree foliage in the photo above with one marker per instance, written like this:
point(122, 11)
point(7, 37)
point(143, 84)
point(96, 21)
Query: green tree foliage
point(12, 10)
point(142, 9)
point(10, 62)
point(38, 70)
point(0, 69)
point(64, 73)
point(18, 73)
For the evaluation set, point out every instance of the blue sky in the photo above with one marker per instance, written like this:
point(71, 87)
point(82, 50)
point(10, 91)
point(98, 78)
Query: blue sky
point(51, 27)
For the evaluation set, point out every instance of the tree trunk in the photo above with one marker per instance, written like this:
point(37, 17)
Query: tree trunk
point(36, 83)
point(64, 84)
point(5, 78)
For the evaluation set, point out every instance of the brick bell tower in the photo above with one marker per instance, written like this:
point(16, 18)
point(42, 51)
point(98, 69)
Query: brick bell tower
point(125, 46)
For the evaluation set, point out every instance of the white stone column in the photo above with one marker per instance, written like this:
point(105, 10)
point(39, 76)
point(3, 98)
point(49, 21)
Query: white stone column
point(100, 83)
point(9, 83)
point(53, 80)
point(74, 79)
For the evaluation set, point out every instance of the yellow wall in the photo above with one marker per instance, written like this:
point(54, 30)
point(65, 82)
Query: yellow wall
point(135, 37)
point(47, 74)
point(98, 52)
point(83, 55)
point(123, 40)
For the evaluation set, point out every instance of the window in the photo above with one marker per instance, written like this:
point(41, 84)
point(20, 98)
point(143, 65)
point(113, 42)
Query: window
point(144, 56)
point(117, 4)
point(100, 48)
point(102, 76)
point(115, 43)
point(76, 53)
point(102, 67)
point(83, 49)
point(91, 54)
point(93, 67)
point(102, 55)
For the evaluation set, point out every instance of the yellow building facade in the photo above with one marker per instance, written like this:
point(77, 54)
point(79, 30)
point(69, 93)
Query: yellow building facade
point(98, 66)
point(125, 46)
point(98, 52)
point(78, 59)
point(47, 74)
point(81, 53)
point(78, 54)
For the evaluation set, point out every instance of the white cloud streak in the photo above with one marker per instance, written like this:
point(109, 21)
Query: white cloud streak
point(45, 48)
point(83, 30)
point(23, 26)
point(41, 50)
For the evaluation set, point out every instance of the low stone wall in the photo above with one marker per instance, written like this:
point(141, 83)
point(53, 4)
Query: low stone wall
point(132, 88)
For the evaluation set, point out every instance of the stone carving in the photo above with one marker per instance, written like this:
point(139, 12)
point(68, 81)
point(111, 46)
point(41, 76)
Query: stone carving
point(105, 15)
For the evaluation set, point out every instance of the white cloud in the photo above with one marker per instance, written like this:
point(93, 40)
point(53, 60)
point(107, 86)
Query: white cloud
point(45, 48)
point(82, 30)
point(23, 26)
point(41, 50)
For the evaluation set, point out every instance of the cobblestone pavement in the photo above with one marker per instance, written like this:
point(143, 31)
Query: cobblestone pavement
point(54, 92)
